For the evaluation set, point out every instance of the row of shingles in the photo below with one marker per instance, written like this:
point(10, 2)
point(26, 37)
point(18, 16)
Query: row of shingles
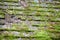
point(26, 34)
point(15, 33)
point(42, 18)
point(5, 6)
point(48, 6)
point(55, 29)
point(56, 25)
point(31, 2)
point(40, 11)
point(52, 27)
